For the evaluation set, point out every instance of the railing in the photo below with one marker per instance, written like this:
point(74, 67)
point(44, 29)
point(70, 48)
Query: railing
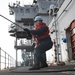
point(6, 61)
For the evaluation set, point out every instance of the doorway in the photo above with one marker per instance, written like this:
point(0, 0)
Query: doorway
point(69, 45)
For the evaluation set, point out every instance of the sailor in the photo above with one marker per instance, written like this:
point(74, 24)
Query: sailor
point(43, 42)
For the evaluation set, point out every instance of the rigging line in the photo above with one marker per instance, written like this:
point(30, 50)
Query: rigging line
point(11, 21)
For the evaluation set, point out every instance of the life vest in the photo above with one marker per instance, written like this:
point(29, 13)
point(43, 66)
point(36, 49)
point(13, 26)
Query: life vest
point(44, 35)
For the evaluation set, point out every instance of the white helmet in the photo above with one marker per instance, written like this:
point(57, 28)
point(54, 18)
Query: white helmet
point(38, 18)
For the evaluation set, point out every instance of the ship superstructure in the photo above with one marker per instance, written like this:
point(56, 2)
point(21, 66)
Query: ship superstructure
point(62, 28)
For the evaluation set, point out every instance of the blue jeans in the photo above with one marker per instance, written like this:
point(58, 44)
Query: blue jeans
point(43, 46)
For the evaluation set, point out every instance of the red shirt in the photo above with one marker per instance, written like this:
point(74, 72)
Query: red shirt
point(38, 38)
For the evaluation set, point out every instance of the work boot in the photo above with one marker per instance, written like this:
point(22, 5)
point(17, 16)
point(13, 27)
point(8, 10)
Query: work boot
point(35, 67)
point(43, 65)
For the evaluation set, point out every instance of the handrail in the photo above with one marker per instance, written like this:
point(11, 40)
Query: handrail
point(6, 61)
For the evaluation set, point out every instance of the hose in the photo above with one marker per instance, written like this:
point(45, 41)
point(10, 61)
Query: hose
point(11, 21)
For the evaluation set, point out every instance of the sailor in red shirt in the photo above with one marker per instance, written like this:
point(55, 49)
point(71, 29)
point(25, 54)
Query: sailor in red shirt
point(43, 42)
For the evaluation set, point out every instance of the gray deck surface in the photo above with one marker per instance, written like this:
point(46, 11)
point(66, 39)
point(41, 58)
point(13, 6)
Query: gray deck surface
point(53, 70)
point(43, 70)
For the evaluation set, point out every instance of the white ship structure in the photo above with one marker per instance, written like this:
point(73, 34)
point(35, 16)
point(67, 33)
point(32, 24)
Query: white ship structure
point(59, 15)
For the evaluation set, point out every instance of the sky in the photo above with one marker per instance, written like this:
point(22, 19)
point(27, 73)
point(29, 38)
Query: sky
point(6, 41)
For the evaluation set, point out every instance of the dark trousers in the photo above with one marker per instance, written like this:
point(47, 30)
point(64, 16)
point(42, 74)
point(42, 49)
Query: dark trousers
point(40, 50)
point(43, 56)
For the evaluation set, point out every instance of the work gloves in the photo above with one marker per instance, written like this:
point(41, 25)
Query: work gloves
point(28, 32)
